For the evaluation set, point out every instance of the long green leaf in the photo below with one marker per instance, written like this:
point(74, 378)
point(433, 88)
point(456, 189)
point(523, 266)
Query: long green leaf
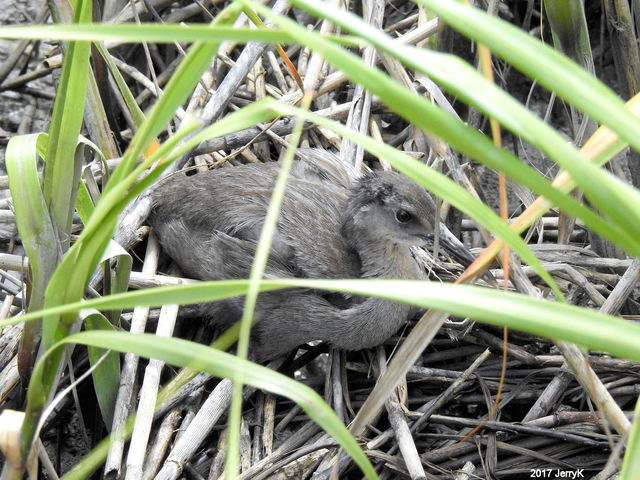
point(36, 231)
point(150, 32)
point(430, 118)
point(130, 101)
point(70, 278)
point(106, 376)
point(258, 266)
point(630, 465)
point(548, 67)
point(576, 86)
point(85, 254)
point(62, 167)
point(467, 84)
point(184, 353)
point(545, 318)
point(569, 28)
point(32, 216)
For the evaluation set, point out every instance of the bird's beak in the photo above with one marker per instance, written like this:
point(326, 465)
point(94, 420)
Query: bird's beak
point(454, 247)
point(458, 252)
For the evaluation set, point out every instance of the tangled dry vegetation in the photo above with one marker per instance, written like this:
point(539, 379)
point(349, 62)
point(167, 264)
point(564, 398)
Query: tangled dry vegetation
point(544, 420)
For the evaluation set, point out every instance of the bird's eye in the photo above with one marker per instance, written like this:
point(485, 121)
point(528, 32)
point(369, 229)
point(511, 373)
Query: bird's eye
point(403, 216)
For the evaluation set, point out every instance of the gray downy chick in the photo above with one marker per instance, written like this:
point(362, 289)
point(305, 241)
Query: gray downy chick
point(333, 224)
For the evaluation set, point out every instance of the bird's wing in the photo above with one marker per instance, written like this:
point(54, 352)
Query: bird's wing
point(321, 166)
point(214, 255)
point(234, 202)
point(310, 223)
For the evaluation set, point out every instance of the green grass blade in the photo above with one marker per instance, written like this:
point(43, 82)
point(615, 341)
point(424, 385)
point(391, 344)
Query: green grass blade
point(258, 266)
point(576, 86)
point(106, 376)
point(569, 27)
point(544, 64)
point(150, 32)
point(467, 84)
point(176, 91)
point(36, 231)
point(545, 318)
point(130, 101)
point(630, 465)
point(62, 168)
point(66, 286)
point(184, 353)
point(69, 280)
point(32, 215)
point(84, 203)
point(422, 113)
point(119, 275)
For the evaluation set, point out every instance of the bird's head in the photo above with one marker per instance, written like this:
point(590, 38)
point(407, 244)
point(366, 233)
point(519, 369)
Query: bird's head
point(389, 206)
